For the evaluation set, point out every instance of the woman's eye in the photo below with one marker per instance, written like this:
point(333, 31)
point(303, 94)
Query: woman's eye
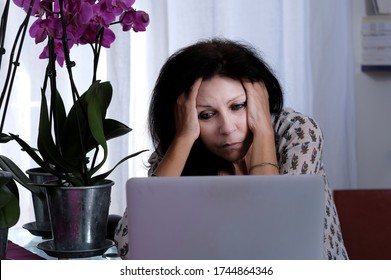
point(205, 115)
point(238, 106)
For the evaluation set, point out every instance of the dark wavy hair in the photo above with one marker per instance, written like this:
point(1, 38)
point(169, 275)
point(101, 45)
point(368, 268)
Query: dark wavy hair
point(204, 59)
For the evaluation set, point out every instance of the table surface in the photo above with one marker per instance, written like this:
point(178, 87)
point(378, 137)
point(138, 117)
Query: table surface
point(25, 239)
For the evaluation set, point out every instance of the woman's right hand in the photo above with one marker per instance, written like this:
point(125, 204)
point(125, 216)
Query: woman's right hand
point(187, 131)
point(186, 116)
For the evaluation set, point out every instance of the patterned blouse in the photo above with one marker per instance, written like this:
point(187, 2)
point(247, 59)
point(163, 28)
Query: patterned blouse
point(299, 143)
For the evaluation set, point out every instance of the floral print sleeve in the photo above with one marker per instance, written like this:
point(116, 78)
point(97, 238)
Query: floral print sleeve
point(121, 236)
point(299, 143)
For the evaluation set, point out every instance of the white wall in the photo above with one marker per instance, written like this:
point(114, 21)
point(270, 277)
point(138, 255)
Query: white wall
point(373, 101)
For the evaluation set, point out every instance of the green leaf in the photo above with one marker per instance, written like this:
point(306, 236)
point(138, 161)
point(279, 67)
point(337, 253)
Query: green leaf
point(8, 165)
point(9, 207)
point(98, 100)
point(100, 177)
point(4, 138)
point(74, 130)
point(5, 196)
point(114, 129)
point(30, 151)
point(60, 111)
point(46, 146)
point(5, 177)
point(34, 156)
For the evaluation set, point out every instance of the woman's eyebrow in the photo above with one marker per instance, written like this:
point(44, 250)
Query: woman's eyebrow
point(235, 98)
point(203, 106)
point(228, 102)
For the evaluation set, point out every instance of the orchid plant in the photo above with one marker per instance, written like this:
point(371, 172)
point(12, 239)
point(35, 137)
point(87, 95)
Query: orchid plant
point(65, 141)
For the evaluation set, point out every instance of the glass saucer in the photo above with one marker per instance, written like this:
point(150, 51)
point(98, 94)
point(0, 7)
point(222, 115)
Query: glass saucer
point(32, 228)
point(49, 248)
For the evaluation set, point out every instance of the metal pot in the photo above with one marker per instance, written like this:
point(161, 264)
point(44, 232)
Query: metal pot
point(79, 216)
point(42, 226)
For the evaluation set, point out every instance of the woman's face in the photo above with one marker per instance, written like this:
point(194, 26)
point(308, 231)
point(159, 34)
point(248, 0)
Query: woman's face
point(221, 107)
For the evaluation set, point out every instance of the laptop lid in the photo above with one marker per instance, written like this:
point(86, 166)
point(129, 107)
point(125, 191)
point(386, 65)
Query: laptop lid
point(226, 217)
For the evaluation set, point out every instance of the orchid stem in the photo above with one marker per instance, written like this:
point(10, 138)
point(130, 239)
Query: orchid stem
point(13, 64)
point(3, 29)
point(96, 50)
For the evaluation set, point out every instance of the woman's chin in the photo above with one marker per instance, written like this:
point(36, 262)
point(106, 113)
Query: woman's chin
point(233, 157)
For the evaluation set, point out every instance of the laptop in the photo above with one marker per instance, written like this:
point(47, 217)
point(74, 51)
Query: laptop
point(226, 217)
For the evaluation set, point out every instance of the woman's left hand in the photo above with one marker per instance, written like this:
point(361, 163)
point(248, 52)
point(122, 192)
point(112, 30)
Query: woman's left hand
point(259, 121)
point(258, 112)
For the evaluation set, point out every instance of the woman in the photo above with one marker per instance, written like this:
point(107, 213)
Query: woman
point(217, 109)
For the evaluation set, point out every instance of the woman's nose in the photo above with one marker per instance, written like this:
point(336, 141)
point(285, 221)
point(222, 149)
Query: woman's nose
point(227, 124)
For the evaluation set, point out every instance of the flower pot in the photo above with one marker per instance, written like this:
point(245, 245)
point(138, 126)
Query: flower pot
point(41, 226)
point(79, 220)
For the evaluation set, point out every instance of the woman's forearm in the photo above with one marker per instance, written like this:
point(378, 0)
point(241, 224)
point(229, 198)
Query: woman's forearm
point(263, 160)
point(175, 158)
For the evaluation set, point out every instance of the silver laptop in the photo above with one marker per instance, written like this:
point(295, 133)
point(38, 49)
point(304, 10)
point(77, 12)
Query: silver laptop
point(226, 217)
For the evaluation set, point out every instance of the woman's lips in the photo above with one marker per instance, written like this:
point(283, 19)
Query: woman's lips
point(232, 146)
